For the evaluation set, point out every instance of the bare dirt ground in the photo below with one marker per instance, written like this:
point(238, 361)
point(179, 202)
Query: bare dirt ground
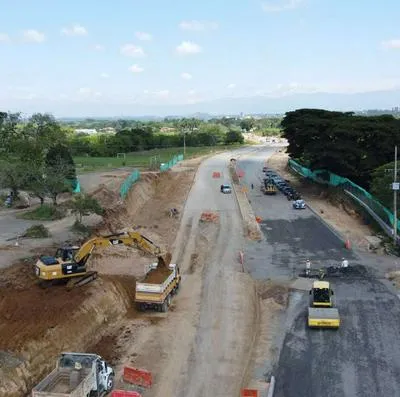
point(340, 216)
point(37, 324)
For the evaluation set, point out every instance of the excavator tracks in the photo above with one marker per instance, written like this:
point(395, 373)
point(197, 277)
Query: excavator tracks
point(79, 281)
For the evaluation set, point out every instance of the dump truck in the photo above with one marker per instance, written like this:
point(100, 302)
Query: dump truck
point(321, 313)
point(77, 375)
point(156, 289)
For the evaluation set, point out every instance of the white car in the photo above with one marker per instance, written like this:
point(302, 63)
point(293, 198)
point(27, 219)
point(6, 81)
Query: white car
point(299, 205)
point(226, 189)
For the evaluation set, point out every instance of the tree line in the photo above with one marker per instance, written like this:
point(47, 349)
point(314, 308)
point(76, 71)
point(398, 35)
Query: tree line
point(358, 147)
point(34, 156)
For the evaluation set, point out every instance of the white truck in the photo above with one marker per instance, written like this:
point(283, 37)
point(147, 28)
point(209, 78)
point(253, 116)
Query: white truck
point(156, 288)
point(77, 375)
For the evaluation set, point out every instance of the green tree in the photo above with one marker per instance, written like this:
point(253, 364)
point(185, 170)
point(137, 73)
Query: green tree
point(234, 136)
point(12, 176)
point(382, 179)
point(84, 205)
point(247, 124)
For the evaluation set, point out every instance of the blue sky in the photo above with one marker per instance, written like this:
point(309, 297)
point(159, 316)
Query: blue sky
point(87, 57)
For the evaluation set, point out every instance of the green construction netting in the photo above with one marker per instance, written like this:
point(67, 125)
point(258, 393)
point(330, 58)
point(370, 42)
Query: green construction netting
point(128, 182)
point(171, 163)
point(329, 178)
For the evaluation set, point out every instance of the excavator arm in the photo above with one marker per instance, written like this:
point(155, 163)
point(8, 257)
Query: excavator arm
point(132, 239)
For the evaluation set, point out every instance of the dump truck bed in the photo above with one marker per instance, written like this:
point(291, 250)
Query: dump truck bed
point(323, 317)
point(58, 384)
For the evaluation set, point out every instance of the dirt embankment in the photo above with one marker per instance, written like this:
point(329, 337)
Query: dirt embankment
point(36, 324)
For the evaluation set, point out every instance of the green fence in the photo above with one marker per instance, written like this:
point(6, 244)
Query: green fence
point(171, 163)
point(329, 178)
point(128, 182)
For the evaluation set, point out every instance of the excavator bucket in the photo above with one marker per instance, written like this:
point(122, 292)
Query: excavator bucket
point(164, 260)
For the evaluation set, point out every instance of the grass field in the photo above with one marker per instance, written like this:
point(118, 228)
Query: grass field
point(142, 159)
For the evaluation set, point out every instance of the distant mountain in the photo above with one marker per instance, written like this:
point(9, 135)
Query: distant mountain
point(232, 106)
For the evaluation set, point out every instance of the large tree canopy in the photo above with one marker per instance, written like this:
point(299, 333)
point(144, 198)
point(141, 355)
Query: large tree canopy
point(348, 145)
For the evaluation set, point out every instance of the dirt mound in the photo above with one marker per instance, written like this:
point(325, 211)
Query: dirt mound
point(278, 293)
point(27, 311)
point(157, 276)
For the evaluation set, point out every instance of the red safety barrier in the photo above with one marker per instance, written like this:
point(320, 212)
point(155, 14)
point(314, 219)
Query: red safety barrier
point(139, 377)
point(216, 175)
point(249, 393)
point(123, 393)
point(240, 173)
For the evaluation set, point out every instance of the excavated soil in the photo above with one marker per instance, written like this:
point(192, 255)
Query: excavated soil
point(37, 324)
point(28, 311)
point(157, 276)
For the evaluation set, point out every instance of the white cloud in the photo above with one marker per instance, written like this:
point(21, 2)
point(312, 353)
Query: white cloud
point(191, 92)
point(281, 5)
point(391, 44)
point(188, 47)
point(143, 36)
point(105, 75)
point(33, 36)
point(86, 92)
point(162, 93)
point(131, 50)
point(74, 30)
point(136, 69)
point(186, 76)
point(98, 47)
point(195, 25)
point(232, 85)
point(4, 38)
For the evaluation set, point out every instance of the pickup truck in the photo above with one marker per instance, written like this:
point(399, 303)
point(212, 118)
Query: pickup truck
point(77, 375)
point(156, 288)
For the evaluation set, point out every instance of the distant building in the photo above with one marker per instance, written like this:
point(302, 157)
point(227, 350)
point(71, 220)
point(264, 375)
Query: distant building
point(86, 131)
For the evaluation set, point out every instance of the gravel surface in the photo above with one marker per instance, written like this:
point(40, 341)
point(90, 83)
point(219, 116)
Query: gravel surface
point(362, 358)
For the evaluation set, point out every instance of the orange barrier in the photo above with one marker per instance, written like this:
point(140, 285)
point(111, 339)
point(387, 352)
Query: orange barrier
point(123, 393)
point(240, 173)
point(209, 217)
point(258, 219)
point(139, 377)
point(249, 393)
point(216, 174)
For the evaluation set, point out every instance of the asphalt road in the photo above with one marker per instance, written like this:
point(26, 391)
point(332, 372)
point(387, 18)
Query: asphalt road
point(362, 358)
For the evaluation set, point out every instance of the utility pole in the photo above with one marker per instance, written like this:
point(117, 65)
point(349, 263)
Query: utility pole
point(184, 143)
point(395, 189)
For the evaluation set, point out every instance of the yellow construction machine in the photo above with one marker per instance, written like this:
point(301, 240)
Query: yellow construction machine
point(321, 313)
point(70, 262)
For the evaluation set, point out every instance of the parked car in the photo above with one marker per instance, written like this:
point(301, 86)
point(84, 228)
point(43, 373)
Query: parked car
point(299, 204)
point(226, 189)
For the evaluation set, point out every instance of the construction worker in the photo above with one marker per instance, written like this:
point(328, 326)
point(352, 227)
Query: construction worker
point(345, 262)
point(308, 267)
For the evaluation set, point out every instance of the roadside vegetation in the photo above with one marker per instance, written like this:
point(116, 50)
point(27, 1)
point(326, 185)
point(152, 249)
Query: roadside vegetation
point(45, 212)
point(359, 148)
point(41, 155)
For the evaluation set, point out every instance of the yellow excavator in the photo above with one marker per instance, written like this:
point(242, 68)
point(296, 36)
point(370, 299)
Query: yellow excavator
point(69, 262)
